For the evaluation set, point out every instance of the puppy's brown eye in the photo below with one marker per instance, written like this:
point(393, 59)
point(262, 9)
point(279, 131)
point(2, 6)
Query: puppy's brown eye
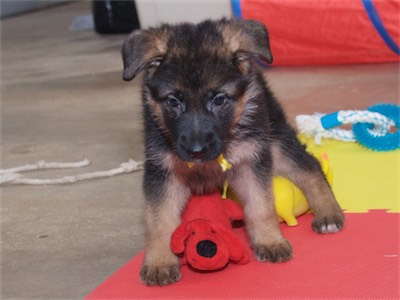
point(155, 63)
point(219, 99)
point(174, 106)
point(173, 102)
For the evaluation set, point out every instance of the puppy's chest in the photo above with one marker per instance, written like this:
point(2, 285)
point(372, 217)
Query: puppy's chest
point(204, 179)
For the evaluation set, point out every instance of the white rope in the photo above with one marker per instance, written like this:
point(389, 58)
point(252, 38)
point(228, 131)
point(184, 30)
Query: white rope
point(381, 122)
point(44, 165)
point(10, 176)
point(313, 125)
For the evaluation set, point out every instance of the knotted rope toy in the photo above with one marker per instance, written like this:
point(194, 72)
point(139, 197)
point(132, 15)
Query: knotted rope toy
point(371, 128)
point(13, 175)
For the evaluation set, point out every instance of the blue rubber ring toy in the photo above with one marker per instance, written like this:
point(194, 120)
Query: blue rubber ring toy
point(388, 142)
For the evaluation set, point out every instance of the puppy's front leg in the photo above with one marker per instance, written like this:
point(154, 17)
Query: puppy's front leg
point(166, 197)
point(260, 216)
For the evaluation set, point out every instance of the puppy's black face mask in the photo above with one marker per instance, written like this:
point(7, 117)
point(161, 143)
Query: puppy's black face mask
point(197, 105)
point(195, 82)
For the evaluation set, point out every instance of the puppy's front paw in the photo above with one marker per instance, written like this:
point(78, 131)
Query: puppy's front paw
point(328, 224)
point(154, 275)
point(277, 252)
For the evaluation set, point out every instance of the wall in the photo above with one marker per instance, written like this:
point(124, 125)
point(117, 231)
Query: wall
point(13, 7)
point(154, 12)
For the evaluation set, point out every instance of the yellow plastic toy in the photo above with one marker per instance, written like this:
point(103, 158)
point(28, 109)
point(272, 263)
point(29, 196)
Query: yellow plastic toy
point(290, 201)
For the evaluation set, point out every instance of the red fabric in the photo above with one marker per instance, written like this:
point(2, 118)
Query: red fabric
point(208, 218)
point(212, 207)
point(362, 262)
point(312, 32)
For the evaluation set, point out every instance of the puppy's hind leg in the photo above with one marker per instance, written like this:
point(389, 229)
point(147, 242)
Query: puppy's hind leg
point(292, 161)
point(165, 201)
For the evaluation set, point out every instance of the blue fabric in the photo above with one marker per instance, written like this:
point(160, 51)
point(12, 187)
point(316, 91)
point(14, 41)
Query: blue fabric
point(380, 28)
point(237, 10)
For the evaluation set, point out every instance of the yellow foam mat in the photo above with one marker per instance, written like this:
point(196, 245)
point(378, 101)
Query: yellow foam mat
point(362, 179)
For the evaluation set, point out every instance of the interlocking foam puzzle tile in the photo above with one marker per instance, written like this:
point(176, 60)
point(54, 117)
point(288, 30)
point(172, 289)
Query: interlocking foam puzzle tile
point(362, 261)
point(362, 179)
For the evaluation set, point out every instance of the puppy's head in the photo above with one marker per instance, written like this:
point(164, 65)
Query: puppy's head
point(196, 80)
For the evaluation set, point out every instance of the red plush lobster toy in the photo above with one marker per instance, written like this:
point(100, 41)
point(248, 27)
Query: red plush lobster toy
point(205, 237)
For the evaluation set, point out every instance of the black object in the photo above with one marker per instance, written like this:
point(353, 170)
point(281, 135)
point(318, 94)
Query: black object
point(115, 16)
point(206, 248)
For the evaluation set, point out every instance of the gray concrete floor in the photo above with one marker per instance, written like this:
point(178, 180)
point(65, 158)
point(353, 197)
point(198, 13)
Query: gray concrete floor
point(63, 99)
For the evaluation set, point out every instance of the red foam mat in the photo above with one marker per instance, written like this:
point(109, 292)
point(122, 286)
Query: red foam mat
point(360, 262)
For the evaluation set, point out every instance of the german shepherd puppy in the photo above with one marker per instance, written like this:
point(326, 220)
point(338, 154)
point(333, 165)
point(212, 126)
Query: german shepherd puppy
point(204, 94)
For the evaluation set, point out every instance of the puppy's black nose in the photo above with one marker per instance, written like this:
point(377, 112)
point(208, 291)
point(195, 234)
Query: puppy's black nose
point(206, 248)
point(195, 144)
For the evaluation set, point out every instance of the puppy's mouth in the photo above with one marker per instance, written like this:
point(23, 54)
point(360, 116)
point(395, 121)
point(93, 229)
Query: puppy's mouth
point(198, 153)
point(223, 163)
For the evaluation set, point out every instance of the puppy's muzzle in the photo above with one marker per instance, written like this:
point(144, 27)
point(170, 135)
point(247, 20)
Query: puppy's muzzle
point(197, 141)
point(197, 145)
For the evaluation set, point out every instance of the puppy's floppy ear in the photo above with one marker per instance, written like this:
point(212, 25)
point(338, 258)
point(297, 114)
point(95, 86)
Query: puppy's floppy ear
point(179, 237)
point(259, 36)
point(144, 48)
point(247, 38)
